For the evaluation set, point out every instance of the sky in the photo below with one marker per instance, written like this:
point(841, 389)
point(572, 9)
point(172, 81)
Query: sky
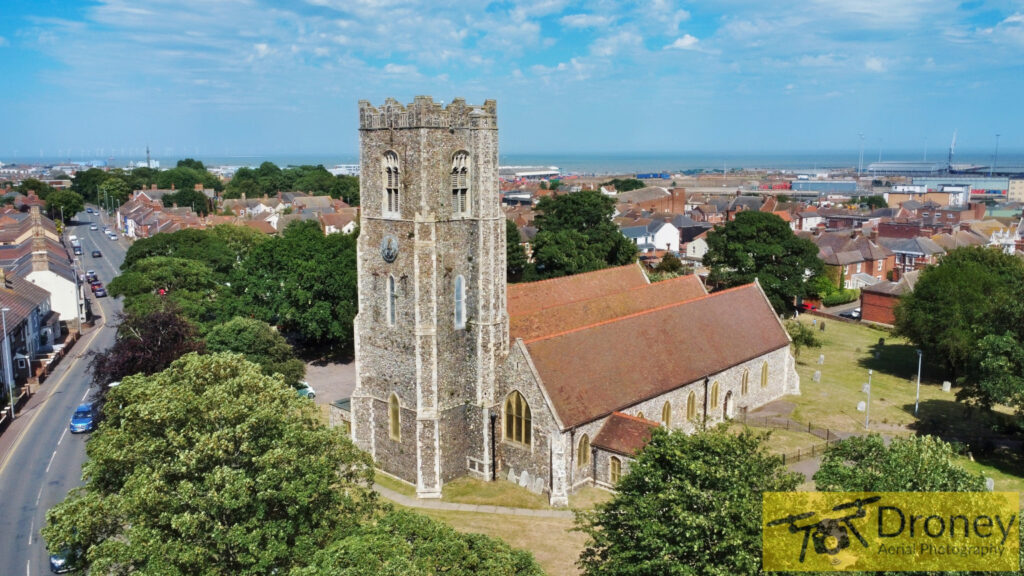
point(237, 77)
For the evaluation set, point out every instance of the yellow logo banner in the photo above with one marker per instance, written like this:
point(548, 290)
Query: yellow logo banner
point(871, 531)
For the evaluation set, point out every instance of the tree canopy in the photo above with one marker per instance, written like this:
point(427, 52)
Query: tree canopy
point(515, 255)
point(64, 204)
point(269, 179)
point(625, 184)
point(221, 248)
point(41, 189)
point(575, 234)
point(761, 245)
point(259, 343)
point(190, 285)
point(690, 504)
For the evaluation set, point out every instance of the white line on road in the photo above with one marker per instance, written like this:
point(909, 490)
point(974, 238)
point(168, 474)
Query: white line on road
point(52, 456)
point(39, 496)
point(28, 568)
point(31, 531)
point(86, 395)
point(62, 436)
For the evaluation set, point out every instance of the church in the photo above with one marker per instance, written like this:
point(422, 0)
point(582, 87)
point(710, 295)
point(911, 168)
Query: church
point(553, 384)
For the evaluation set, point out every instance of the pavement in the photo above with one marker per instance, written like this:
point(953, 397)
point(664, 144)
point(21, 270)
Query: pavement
point(332, 381)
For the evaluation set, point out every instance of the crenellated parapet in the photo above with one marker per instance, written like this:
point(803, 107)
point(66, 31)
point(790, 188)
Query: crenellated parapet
point(423, 112)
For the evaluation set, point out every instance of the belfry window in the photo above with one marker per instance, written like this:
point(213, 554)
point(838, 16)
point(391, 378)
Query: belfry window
point(517, 419)
point(460, 184)
point(391, 185)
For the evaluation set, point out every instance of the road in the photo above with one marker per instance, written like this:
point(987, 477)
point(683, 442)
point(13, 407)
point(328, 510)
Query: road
point(46, 460)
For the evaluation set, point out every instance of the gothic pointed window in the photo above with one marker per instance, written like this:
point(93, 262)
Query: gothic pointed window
point(391, 185)
point(745, 385)
point(764, 375)
point(691, 406)
point(666, 415)
point(394, 418)
point(614, 469)
point(714, 395)
point(517, 419)
point(392, 303)
point(460, 303)
point(460, 184)
point(583, 452)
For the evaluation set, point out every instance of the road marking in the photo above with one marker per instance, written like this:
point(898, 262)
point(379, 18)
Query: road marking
point(31, 530)
point(56, 386)
point(28, 568)
point(86, 395)
point(52, 456)
point(39, 496)
point(62, 436)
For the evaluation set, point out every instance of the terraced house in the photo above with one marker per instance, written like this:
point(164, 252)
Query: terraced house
point(554, 384)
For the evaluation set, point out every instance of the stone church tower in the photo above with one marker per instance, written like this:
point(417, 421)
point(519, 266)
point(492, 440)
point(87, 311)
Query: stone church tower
point(432, 326)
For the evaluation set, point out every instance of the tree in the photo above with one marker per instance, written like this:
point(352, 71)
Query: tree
point(872, 202)
point(211, 467)
point(575, 234)
point(113, 191)
point(515, 255)
point(907, 464)
point(971, 293)
point(87, 183)
point(41, 189)
point(191, 163)
point(303, 282)
point(188, 198)
point(802, 335)
point(995, 373)
point(670, 264)
point(625, 184)
point(64, 204)
point(760, 245)
point(150, 283)
point(222, 247)
point(260, 344)
point(145, 344)
point(690, 504)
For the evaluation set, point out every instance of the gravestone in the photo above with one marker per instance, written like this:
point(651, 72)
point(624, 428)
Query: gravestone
point(524, 479)
point(822, 327)
point(990, 484)
point(512, 476)
point(814, 321)
point(821, 359)
point(861, 406)
point(877, 355)
point(817, 375)
point(947, 386)
point(538, 485)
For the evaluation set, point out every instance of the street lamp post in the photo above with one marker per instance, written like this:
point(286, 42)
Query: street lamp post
point(867, 407)
point(7, 360)
point(917, 400)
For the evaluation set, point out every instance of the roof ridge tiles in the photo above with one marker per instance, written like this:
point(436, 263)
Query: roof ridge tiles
point(635, 418)
point(637, 314)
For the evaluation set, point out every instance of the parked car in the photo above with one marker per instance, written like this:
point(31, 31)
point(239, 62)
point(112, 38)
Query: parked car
point(63, 561)
point(807, 306)
point(84, 418)
point(306, 391)
point(88, 210)
point(97, 254)
point(852, 314)
point(100, 292)
point(90, 276)
point(112, 236)
point(95, 285)
point(94, 227)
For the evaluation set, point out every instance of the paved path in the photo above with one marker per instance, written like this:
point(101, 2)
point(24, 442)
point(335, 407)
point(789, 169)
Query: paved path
point(413, 502)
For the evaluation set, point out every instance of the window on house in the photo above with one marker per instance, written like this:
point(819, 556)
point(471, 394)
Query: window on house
point(858, 267)
point(460, 184)
point(714, 395)
point(392, 302)
point(460, 302)
point(614, 469)
point(691, 406)
point(764, 375)
point(517, 419)
point(391, 184)
point(879, 265)
point(583, 452)
point(640, 415)
point(666, 415)
point(394, 418)
point(745, 384)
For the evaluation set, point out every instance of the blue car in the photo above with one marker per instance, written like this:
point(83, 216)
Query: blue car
point(63, 561)
point(84, 419)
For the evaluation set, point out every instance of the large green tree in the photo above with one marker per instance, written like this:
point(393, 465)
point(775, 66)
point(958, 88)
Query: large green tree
point(211, 467)
point(515, 255)
point(304, 282)
point(150, 283)
point(971, 293)
point(87, 183)
point(41, 189)
point(114, 191)
point(690, 504)
point(575, 234)
point(64, 204)
point(222, 247)
point(260, 343)
point(761, 245)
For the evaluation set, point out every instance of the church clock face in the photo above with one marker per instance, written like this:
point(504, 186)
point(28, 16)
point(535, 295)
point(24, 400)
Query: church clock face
point(389, 248)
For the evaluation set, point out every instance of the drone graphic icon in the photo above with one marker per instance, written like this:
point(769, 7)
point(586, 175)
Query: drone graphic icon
point(829, 535)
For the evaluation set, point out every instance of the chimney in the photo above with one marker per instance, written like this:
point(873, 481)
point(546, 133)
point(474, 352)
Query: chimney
point(8, 279)
point(39, 261)
point(198, 188)
point(152, 186)
point(874, 234)
point(172, 185)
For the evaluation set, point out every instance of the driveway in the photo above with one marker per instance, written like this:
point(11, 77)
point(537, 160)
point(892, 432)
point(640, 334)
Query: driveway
point(332, 381)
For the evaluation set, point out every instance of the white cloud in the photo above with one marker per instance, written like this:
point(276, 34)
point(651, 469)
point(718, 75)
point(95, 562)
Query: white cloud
point(605, 47)
point(392, 68)
point(685, 42)
point(262, 50)
point(1010, 29)
point(874, 64)
point(820, 60)
point(585, 21)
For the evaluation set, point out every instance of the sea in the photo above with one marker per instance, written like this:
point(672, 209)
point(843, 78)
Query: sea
point(592, 164)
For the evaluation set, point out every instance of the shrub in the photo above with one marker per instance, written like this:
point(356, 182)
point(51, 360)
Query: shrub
point(841, 297)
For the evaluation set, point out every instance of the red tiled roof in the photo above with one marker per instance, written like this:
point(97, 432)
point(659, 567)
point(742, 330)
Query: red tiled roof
point(552, 319)
point(531, 297)
point(624, 434)
point(592, 371)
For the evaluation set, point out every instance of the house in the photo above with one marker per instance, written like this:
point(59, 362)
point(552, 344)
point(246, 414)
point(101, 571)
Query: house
point(340, 222)
point(878, 301)
point(912, 253)
point(31, 325)
point(854, 254)
point(809, 220)
point(650, 235)
point(697, 248)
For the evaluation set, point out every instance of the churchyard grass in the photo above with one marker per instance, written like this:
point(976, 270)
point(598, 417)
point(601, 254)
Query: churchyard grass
point(501, 493)
point(393, 484)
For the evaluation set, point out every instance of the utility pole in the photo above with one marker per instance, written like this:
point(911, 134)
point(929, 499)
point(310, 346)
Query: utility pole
point(867, 407)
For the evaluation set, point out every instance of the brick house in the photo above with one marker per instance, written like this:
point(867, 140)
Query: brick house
point(878, 301)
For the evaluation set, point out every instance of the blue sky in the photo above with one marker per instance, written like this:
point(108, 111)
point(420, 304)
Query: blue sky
point(209, 77)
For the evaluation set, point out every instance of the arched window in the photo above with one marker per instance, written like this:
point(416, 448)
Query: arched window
point(392, 302)
point(517, 419)
point(460, 184)
point(394, 418)
point(460, 302)
point(745, 385)
point(691, 406)
point(764, 375)
point(714, 395)
point(666, 415)
point(583, 452)
point(614, 470)
point(391, 184)
point(640, 415)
